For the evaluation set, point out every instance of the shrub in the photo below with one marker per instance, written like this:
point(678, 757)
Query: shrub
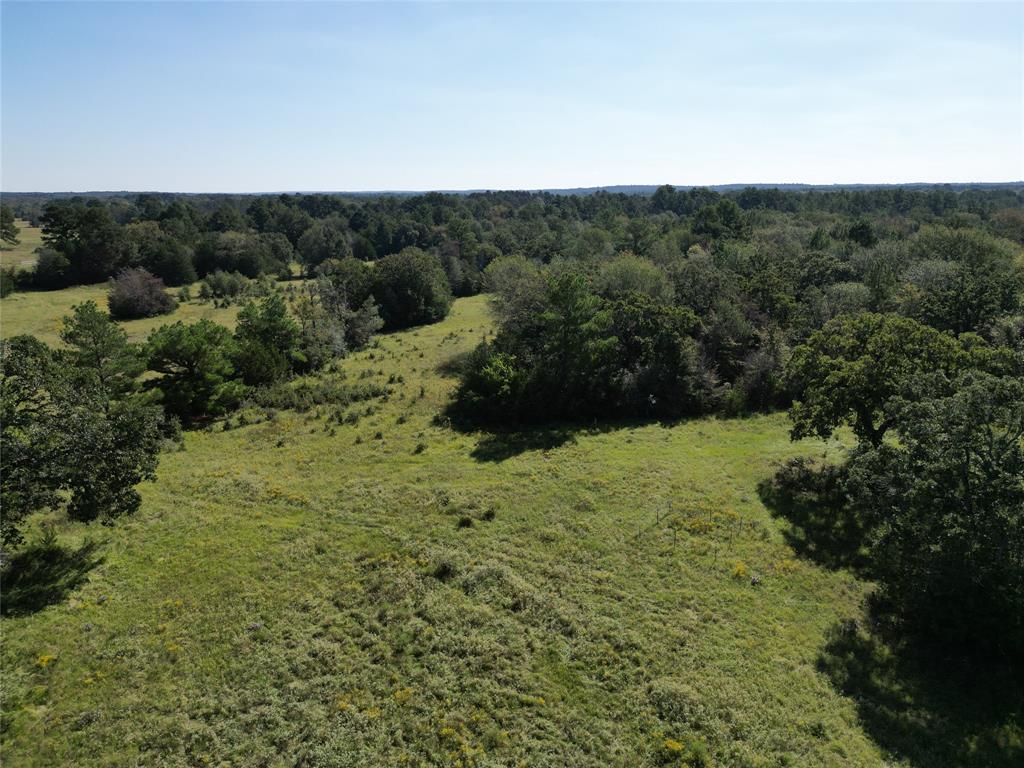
point(223, 285)
point(137, 293)
point(8, 282)
point(411, 289)
point(306, 393)
point(52, 270)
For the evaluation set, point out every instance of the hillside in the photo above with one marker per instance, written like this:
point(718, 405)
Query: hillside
point(371, 588)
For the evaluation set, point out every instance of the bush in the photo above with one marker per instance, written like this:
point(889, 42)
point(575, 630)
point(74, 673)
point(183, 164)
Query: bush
point(411, 289)
point(52, 270)
point(223, 285)
point(8, 281)
point(137, 293)
point(306, 393)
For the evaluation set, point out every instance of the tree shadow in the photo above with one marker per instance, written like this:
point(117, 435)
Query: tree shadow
point(822, 526)
point(499, 446)
point(44, 573)
point(930, 710)
point(454, 366)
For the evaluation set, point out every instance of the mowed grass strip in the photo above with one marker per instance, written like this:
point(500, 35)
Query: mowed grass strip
point(372, 588)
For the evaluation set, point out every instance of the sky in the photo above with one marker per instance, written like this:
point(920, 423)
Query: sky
point(241, 97)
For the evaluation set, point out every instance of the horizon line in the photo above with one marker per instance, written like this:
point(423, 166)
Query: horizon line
point(476, 190)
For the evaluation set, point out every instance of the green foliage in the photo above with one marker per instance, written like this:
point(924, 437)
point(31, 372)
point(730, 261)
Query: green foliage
point(88, 237)
point(518, 289)
point(197, 369)
point(350, 280)
point(881, 269)
point(305, 393)
point(761, 383)
point(321, 335)
point(411, 289)
point(974, 278)
point(31, 394)
point(224, 285)
point(73, 430)
point(324, 240)
point(627, 274)
point(52, 270)
point(947, 507)
point(242, 252)
point(100, 351)
point(226, 218)
point(722, 220)
point(862, 233)
point(8, 281)
point(117, 449)
point(161, 254)
point(583, 355)
point(267, 341)
point(848, 371)
point(8, 229)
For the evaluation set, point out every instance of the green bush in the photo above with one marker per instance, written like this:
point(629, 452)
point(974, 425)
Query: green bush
point(411, 289)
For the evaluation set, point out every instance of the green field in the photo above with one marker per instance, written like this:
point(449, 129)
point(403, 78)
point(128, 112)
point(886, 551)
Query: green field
point(23, 254)
point(40, 313)
point(298, 591)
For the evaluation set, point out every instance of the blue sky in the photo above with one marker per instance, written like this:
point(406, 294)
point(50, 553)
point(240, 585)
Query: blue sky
point(240, 97)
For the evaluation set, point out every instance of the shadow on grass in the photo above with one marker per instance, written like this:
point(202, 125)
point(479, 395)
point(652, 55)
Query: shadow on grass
point(932, 711)
point(43, 573)
point(822, 527)
point(454, 366)
point(496, 444)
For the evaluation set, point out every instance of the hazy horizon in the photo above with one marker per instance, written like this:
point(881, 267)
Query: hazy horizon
point(449, 190)
point(240, 98)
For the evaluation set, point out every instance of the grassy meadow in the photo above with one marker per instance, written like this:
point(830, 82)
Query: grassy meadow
point(370, 587)
point(41, 313)
point(22, 255)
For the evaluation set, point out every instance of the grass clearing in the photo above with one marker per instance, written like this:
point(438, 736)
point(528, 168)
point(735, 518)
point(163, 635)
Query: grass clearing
point(41, 313)
point(373, 588)
point(23, 254)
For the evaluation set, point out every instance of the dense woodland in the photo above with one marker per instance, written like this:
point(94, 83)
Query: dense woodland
point(898, 313)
